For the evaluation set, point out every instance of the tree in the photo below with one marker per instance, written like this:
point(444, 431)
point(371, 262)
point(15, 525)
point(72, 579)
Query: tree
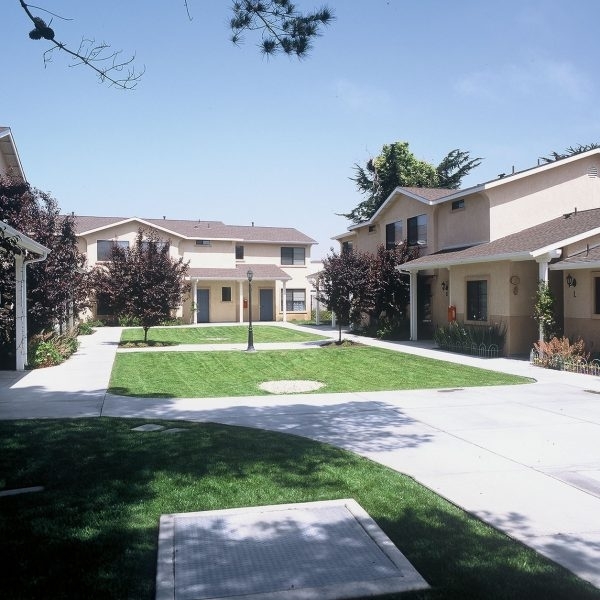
point(345, 286)
point(143, 281)
point(391, 288)
point(57, 288)
point(397, 166)
point(570, 151)
point(281, 26)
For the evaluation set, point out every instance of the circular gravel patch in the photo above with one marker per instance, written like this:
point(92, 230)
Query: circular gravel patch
point(290, 386)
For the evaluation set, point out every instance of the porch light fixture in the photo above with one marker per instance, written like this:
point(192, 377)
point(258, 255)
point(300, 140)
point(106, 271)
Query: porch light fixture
point(445, 287)
point(250, 347)
point(571, 282)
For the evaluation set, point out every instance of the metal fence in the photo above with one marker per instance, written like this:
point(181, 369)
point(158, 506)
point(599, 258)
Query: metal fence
point(572, 364)
point(480, 350)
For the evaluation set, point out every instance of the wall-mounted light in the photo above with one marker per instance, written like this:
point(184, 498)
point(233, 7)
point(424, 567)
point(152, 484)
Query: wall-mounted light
point(571, 282)
point(445, 287)
point(515, 280)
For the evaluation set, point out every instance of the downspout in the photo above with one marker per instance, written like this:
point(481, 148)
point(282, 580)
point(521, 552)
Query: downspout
point(21, 309)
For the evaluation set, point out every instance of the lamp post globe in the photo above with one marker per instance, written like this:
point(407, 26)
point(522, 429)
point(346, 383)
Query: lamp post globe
point(250, 347)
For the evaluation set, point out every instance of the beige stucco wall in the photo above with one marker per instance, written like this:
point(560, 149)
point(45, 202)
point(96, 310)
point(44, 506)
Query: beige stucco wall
point(514, 310)
point(463, 227)
point(540, 197)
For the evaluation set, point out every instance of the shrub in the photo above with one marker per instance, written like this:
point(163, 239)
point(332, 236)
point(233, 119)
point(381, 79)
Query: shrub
point(50, 349)
point(556, 352)
point(84, 328)
point(469, 339)
point(128, 321)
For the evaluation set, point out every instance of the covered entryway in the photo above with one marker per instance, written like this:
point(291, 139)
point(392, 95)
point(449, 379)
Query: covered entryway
point(202, 305)
point(266, 305)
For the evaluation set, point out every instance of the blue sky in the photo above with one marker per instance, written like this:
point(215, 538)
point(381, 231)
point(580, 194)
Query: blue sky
point(217, 132)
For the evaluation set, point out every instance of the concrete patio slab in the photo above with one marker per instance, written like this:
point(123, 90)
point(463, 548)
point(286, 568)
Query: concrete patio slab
point(306, 551)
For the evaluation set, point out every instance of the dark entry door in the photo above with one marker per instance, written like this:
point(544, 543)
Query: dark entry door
point(266, 305)
point(202, 303)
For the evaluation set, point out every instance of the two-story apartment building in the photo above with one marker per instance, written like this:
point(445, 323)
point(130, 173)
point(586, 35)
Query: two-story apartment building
point(220, 257)
point(484, 249)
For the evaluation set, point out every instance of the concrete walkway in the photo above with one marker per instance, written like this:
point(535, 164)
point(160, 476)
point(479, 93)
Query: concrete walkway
point(526, 458)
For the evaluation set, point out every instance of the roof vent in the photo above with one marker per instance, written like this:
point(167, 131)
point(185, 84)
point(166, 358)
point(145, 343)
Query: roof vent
point(593, 171)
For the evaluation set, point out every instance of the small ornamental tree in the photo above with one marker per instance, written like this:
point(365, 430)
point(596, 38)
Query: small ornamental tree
point(56, 287)
point(143, 282)
point(345, 285)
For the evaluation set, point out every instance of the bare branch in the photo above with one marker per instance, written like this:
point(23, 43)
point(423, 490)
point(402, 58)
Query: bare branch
point(98, 57)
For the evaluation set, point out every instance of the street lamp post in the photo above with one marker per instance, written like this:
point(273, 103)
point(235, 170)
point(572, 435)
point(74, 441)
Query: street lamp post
point(250, 348)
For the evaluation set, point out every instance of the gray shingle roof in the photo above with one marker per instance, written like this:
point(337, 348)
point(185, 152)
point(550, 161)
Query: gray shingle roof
point(213, 230)
point(261, 272)
point(521, 243)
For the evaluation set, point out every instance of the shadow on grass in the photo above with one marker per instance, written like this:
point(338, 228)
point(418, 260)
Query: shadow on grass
point(93, 532)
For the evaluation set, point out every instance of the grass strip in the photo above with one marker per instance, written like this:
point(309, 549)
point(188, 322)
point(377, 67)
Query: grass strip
point(341, 369)
point(222, 334)
point(93, 532)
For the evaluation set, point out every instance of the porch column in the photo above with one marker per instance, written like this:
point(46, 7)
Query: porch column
point(241, 301)
point(414, 321)
point(194, 306)
point(20, 312)
point(284, 302)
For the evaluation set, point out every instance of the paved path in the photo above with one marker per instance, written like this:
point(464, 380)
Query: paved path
point(524, 458)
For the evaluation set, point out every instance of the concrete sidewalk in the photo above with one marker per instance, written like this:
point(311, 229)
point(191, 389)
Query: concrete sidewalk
point(526, 458)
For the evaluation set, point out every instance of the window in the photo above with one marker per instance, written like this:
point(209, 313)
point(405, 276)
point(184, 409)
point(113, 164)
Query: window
point(104, 248)
point(346, 247)
point(292, 256)
point(295, 300)
point(202, 242)
point(477, 309)
point(458, 204)
point(159, 245)
point(372, 228)
point(239, 252)
point(417, 230)
point(225, 294)
point(393, 234)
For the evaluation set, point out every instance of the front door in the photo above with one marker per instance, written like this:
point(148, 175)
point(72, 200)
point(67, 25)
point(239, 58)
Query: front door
point(202, 303)
point(266, 305)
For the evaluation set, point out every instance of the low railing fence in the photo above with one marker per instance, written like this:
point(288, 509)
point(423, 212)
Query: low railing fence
point(572, 364)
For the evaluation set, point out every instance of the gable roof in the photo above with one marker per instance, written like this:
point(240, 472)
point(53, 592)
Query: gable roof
point(434, 196)
point(8, 149)
point(188, 229)
point(262, 272)
point(523, 245)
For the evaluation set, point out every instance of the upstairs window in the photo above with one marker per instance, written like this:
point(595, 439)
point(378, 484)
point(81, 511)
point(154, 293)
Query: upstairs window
point(417, 230)
point(104, 248)
point(477, 300)
point(202, 242)
point(293, 256)
point(346, 247)
point(393, 234)
point(458, 204)
point(239, 252)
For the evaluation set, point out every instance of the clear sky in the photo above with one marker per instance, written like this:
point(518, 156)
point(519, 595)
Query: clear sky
point(217, 132)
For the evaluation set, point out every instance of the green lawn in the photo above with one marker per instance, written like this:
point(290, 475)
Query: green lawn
point(220, 334)
point(342, 369)
point(93, 532)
